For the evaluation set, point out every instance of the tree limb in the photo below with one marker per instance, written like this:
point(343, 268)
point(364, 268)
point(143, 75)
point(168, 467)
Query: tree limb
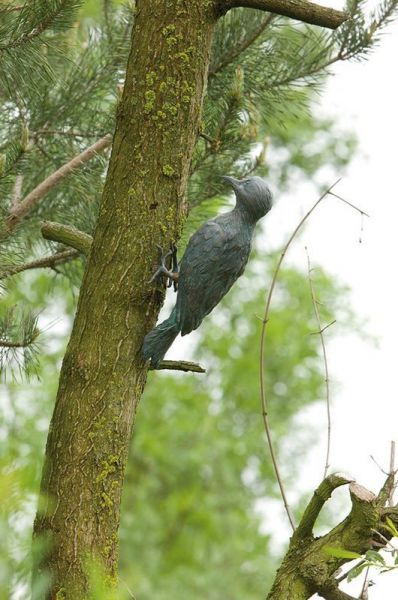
point(179, 365)
point(308, 12)
point(19, 211)
point(311, 513)
point(65, 234)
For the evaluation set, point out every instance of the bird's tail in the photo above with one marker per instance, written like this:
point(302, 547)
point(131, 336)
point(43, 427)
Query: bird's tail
point(158, 341)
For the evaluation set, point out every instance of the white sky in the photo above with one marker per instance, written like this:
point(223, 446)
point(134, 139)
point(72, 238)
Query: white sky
point(363, 97)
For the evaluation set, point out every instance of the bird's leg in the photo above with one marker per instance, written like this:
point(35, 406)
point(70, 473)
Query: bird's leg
point(163, 274)
point(174, 268)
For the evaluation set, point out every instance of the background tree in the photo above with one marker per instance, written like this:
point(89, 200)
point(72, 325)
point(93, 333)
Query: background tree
point(29, 36)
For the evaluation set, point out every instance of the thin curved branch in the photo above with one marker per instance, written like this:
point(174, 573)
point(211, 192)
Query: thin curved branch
point(263, 396)
point(264, 399)
point(304, 11)
point(325, 363)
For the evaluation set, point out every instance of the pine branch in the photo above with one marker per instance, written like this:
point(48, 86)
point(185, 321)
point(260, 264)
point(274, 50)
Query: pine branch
point(18, 335)
point(12, 8)
point(18, 344)
point(44, 262)
point(307, 12)
point(17, 193)
point(51, 15)
point(17, 213)
point(247, 41)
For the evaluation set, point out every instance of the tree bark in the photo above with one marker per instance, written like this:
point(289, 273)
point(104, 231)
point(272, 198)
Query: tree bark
point(103, 374)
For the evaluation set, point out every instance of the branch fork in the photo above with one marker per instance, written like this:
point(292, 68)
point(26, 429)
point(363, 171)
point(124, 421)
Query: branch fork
point(310, 564)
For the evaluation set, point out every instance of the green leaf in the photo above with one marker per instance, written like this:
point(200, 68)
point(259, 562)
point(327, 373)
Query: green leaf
point(375, 557)
point(353, 573)
point(341, 553)
point(391, 527)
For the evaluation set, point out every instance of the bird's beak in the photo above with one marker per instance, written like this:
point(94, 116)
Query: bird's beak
point(235, 183)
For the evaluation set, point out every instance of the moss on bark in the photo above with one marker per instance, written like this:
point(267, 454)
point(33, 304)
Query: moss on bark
point(103, 374)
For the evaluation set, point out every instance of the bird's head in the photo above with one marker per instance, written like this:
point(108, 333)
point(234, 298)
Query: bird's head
point(252, 194)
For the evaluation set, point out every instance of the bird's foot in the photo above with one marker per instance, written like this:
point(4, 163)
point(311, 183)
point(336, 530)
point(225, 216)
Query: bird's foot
point(162, 274)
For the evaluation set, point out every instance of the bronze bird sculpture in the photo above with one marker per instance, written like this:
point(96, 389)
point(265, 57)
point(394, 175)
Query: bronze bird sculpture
point(216, 255)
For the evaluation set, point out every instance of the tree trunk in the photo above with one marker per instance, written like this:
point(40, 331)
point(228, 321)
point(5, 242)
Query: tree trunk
point(103, 374)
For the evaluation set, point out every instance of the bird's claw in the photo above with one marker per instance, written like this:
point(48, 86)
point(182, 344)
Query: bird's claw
point(162, 274)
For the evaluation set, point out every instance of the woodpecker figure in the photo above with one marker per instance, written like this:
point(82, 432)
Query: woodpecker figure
point(216, 255)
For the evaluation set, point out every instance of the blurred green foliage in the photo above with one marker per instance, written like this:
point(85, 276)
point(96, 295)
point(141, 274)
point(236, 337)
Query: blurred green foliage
point(199, 465)
point(199, 461)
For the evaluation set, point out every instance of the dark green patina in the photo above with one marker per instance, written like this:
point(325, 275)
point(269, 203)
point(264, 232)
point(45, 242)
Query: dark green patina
point(215, 257)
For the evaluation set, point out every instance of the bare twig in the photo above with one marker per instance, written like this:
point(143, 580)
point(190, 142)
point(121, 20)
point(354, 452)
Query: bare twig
point(377, 465)
point(345, 575)
point(264, 399)
point(386, 542)
point(364, 592)
point(212, 141)
point(46, 261)
point(179, 365)
point(323, 328)
point(17, 213)
point(350, 204)
point(325, 362)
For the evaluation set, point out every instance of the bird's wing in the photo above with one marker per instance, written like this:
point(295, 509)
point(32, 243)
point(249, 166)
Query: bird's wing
point(212, 262)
